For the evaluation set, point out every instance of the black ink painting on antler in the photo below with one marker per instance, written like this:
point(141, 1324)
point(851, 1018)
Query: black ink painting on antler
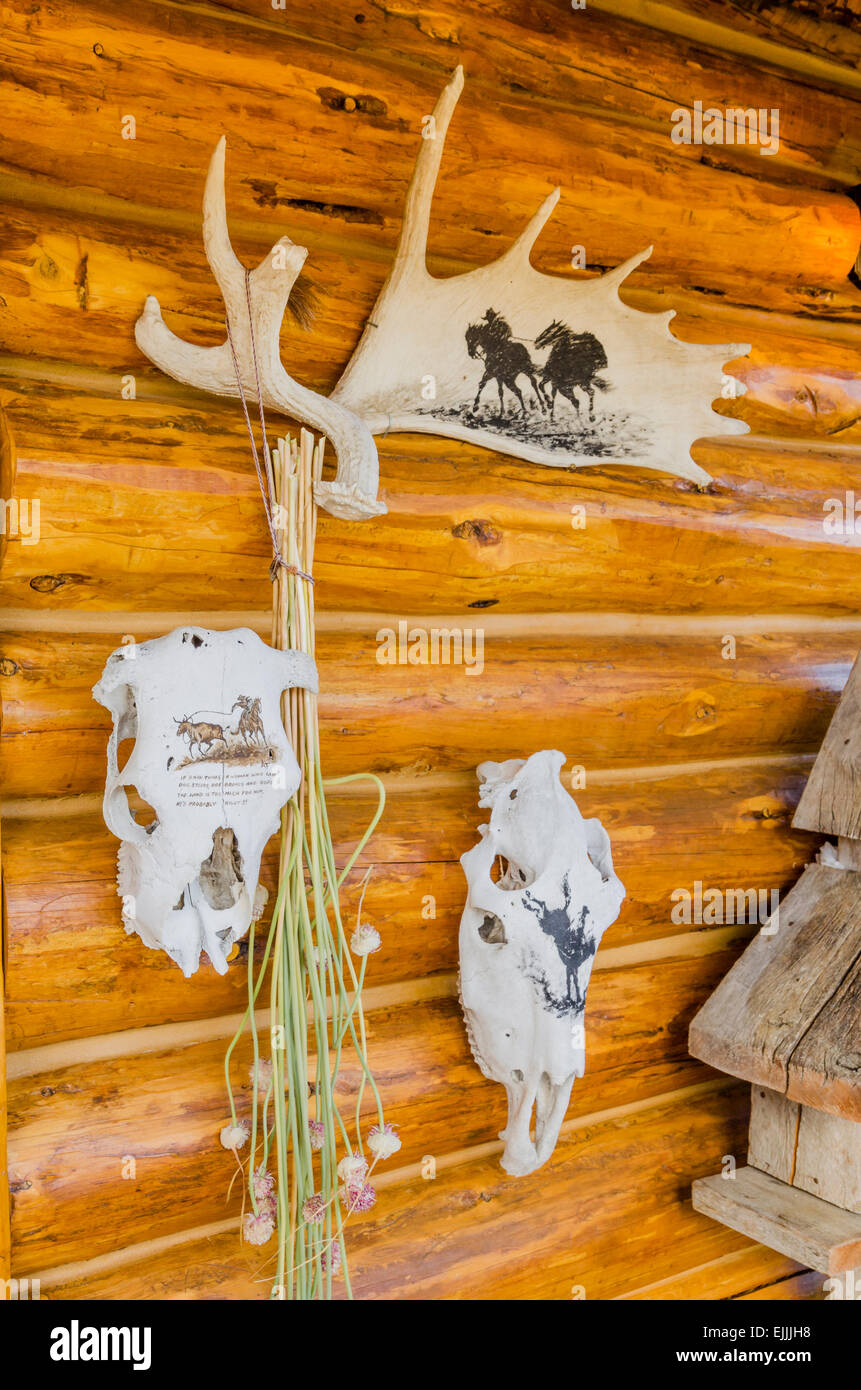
point(557, 410)
point(548, 368)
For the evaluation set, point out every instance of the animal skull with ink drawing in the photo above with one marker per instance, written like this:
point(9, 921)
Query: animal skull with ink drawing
point(189, 880)
point(527, 944)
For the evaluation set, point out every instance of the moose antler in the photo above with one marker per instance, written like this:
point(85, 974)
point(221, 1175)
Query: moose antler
point(411, 370)
point(414, 369)
point(353, 492)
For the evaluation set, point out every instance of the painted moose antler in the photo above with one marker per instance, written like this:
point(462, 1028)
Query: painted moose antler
point(444, 338)
point(431, 346)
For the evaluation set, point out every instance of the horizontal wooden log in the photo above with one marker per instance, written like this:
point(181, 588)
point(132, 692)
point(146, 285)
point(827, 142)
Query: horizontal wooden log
point(70, 1128)
point(792, 387)
point(588, 1220)
point(824, 404)
point(737, 1275)
point(153, 504)
point(73, 971)
point(805, 233)
point(8, 466)
point(472, 1206)
point(811, 41)
point(217, 1266)
point(773, 1136)
point(644, 701)
point(808, 1285)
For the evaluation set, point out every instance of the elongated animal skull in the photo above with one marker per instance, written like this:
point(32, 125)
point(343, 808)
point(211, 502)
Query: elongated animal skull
point(213, 761)
point(527, 943)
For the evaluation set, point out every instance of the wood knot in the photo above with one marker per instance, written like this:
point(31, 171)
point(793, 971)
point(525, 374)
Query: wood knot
point(48, 583)
point(478, 530)
point(365, 104)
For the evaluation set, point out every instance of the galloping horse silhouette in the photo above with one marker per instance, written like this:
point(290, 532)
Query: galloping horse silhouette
point(505, 359)
point(573, 364)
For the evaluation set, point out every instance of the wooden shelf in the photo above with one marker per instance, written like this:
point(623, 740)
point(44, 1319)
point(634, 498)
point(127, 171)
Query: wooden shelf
point(799, 1225)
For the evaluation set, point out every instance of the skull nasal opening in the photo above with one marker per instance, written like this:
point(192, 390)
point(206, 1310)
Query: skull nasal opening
point(221, 874)
point(492, 930)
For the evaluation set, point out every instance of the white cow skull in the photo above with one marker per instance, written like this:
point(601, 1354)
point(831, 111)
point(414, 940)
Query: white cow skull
point(212, 759)
point(527, 943)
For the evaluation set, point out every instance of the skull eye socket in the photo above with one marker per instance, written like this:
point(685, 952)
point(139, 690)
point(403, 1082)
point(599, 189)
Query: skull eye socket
point(492, 931)
point(143, 813)
point(125, 747)
point(509, 876)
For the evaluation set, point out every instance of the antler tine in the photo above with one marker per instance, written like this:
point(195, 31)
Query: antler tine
point(209, 368)
point(621, 272)
point(521, 248)
point(255, 302)
point(412, 246)
point(225, 264)
point(275, 275)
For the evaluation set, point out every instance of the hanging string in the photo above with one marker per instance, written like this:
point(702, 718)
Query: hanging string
point(267, 457)
point(267, 485)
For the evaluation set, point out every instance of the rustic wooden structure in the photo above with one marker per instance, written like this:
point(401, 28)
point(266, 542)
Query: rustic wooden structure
point(608, 634)
point(787, 1018)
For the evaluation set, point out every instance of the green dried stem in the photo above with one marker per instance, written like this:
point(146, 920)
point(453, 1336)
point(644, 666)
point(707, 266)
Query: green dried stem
point(314, 988)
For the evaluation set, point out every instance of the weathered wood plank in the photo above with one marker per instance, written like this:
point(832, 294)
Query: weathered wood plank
point(831, 1048)
point(828, 1157)
point(831, 803)
point(638, 701)
point(773, 1133)
point(605, 1206)
point(757, 1017)
point(807, 1148)
point(814, 1232)
point(71, 1129)
point(592, 1217)
point(720, 826)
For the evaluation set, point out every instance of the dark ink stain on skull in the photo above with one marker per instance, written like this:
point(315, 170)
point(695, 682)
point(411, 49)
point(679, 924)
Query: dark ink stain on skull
point(574, 944)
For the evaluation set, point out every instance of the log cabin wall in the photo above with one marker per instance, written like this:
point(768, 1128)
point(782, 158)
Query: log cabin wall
point(611, 641)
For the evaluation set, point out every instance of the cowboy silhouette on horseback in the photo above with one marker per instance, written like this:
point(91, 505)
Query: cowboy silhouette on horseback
point(505, 359)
